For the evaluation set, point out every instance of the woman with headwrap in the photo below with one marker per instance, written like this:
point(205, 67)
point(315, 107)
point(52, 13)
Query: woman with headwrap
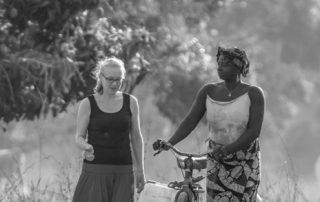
point(234, 111)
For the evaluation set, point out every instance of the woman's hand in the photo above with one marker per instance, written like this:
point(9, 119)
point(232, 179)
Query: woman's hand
point(88, 152)
point(161, 145)
point(89, 148)
point(140, 180)
point(218, 152)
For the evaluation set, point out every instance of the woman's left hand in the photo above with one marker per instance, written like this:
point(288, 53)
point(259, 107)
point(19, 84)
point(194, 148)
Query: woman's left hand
point(140, 181)
point(219, 153)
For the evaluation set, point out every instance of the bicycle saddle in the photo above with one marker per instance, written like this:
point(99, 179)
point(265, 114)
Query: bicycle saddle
point(198, 163)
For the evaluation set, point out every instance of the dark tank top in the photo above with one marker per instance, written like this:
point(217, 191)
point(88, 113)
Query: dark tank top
point(108, 133)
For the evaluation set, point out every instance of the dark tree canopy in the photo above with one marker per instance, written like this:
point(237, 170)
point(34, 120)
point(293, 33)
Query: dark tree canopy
point(49, 49)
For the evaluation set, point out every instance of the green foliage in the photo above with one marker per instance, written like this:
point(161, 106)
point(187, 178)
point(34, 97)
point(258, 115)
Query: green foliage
point(49, 15)
point(34, 82)
point(48, 50)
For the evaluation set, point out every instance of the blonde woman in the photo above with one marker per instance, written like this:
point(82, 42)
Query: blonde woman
point(108, 131)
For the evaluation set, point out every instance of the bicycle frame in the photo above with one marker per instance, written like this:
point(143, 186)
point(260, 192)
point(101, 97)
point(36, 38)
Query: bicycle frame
point(189, 190)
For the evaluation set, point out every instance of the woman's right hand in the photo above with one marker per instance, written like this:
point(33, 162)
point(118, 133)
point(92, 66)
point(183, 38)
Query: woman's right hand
point(88, 153)
point(88, 147)
point(161, 145)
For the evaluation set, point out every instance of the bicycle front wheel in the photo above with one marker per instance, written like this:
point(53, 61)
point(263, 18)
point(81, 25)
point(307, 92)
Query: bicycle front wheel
point(184, 195)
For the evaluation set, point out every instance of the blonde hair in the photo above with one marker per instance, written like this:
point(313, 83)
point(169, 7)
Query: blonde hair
point(107, 63)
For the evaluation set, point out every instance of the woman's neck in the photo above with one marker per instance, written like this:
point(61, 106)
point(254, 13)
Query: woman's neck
point(109, 95)
point(231, 84)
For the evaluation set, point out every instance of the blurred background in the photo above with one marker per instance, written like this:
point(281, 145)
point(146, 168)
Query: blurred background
point(48, 50)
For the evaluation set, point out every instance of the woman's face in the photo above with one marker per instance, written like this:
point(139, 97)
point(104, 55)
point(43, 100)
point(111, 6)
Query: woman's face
point(226, 68)
point(111, 78)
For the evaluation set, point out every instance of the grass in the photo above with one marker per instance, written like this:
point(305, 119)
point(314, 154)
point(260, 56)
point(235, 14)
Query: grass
point(16, 188)
point(282, 187)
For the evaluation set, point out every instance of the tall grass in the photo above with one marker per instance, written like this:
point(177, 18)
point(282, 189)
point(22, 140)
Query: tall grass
point(15, 187)
point(280, 187)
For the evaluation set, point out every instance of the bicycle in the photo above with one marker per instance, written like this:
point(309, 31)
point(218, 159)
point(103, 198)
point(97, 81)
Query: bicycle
point(188, 190)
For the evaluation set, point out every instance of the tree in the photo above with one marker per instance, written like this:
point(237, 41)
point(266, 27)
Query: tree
point(49, 49)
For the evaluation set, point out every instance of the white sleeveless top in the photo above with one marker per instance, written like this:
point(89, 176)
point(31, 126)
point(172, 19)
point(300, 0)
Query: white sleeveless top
point(227, 120)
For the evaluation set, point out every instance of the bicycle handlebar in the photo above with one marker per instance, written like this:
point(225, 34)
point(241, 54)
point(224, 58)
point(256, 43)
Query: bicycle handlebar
point(179, 152)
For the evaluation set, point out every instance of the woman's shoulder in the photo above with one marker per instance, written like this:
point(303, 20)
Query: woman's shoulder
point(134, 105)
point(133, 101)
point(208, 89)
point(91, 96)
point(87, 98)
point(254, 89)
point(131, 97)
point(84, 103)
point(212, 86)
point(255, 92)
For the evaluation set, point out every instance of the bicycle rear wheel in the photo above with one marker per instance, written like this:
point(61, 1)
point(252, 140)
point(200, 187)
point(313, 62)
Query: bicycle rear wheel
point(184, 195)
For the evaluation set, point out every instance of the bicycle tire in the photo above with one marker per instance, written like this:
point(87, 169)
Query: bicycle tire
point(184, 195)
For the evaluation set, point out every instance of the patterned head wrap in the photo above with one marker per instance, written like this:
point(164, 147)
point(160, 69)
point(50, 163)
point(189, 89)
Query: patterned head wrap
point(237, 56)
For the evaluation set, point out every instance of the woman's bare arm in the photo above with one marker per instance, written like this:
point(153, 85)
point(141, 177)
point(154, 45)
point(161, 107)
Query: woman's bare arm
point(82, 125)
point(136, 136)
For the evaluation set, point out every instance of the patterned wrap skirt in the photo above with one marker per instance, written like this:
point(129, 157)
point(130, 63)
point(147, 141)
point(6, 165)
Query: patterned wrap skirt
point(236, 177)
point(105, 183)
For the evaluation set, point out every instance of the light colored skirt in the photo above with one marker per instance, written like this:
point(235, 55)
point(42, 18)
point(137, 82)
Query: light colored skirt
point(105, 183)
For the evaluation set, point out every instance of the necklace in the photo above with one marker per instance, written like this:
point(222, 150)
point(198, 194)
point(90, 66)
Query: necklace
point(230, 92)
